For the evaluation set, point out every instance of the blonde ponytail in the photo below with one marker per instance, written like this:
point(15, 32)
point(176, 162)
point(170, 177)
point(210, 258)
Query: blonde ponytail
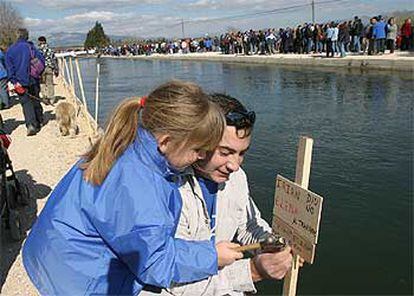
point(119, 134)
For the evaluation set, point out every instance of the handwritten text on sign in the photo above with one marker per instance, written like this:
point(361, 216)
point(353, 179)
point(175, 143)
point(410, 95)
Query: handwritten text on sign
point(299, 208)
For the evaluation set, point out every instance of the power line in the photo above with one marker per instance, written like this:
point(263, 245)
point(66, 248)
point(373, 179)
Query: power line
point(265, 12)
point(242, 16)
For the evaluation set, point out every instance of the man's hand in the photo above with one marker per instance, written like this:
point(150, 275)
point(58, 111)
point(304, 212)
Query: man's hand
point(271, 265)
point(19, 89)
point(226, 253)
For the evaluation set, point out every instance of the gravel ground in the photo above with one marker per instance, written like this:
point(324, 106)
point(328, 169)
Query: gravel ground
point(40, 161)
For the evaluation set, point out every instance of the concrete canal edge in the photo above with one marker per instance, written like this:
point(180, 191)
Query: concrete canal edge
point(400, 62)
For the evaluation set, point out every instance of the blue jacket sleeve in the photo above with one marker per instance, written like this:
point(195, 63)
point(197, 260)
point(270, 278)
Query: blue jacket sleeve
point(134, 220)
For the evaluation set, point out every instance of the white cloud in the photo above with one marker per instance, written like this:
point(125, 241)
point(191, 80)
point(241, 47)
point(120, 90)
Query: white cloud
point(211, 4)
point(101, 16)
point(104, 4)
point(133, 24)
point(240, 5)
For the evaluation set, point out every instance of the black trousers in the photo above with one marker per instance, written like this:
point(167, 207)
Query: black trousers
point(391, 45)
point(329, 48)
point(32, 109)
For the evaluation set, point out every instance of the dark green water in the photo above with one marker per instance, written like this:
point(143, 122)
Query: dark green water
point(362, 124)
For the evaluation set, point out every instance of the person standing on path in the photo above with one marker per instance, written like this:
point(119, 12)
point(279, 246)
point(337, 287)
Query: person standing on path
point(51, 68)
point(18, 65)
point(406, 34)
point(379, 35)
point(392, 30)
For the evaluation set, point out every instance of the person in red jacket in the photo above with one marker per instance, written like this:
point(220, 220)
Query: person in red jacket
point(406, 34)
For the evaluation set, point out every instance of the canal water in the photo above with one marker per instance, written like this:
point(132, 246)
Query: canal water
point(362, 125)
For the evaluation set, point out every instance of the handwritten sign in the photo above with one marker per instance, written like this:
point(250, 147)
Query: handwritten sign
point(300, 246)
point(297, 214)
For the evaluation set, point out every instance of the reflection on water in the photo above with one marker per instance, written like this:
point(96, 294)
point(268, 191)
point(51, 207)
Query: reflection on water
point(362, 162)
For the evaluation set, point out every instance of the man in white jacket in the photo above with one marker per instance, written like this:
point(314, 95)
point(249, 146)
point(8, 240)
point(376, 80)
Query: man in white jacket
point(217, 206)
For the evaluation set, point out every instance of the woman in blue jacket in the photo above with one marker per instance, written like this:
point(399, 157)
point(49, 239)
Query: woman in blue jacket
point(109, 225)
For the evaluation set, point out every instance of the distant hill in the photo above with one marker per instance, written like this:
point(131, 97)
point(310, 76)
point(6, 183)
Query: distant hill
point(64, 39)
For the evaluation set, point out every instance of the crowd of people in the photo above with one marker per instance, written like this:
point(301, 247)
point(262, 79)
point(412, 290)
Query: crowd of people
point(332, 39)
point(23, 69)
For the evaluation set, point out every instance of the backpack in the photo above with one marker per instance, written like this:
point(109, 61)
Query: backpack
point(14, 196)
point(37, 66)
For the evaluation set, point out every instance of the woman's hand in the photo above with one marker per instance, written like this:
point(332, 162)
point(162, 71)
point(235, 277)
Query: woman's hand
point(226, 254)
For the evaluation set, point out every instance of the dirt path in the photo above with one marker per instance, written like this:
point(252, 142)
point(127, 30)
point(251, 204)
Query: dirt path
point(40, 161)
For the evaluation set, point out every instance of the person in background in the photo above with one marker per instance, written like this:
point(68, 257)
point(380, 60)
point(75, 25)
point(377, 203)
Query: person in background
point(379, 35)
point(357, 32)
point(4, 95)
point(108, 226)
point(19, 57)
point(343, 38)
point(318, 38)
point(392, 30)
point(329, 44)
point(406, 33)
point(369, 34)
point(51, 69)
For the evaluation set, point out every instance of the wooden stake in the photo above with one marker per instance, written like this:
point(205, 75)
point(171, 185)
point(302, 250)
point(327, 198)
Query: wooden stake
point(303, 165)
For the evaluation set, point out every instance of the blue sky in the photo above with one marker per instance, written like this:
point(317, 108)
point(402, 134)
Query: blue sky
point(162, 17)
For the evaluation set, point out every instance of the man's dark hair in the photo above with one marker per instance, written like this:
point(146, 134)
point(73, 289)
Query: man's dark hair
point(22, 33)
point(41, 39)
point(230, 105)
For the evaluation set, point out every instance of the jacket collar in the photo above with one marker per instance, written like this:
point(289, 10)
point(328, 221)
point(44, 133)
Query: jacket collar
point(22, 40)
point(146, 146)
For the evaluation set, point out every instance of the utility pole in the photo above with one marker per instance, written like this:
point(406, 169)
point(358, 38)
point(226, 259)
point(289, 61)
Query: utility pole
point(182, 27)
point(313, 11)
